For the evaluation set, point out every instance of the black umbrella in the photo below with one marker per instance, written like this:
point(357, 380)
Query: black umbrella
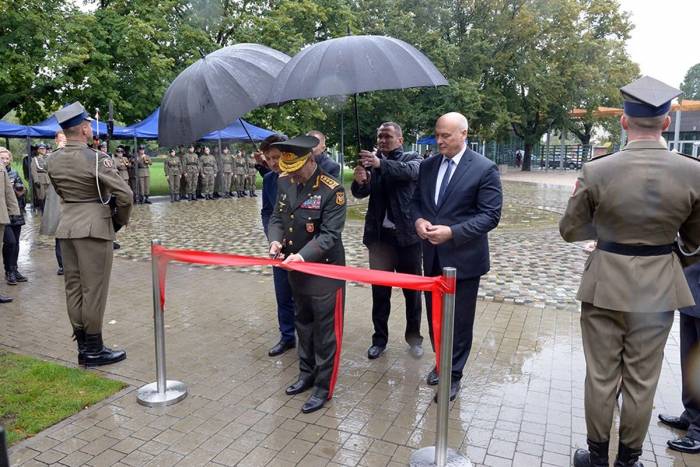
point(216, 90)
point(354, 64)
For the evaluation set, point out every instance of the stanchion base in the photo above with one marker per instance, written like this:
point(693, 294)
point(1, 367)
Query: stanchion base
point(149, 396)
point(425, 457)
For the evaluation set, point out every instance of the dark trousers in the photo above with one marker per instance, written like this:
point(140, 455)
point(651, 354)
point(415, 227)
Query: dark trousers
point(10, 246)
point(465, 309)
point(387, 255)
point(59, 256)
point(315, 319)
point(690, 340)
point(285, 304)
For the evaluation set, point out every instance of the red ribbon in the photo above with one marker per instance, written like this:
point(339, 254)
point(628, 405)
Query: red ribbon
point(436, 285)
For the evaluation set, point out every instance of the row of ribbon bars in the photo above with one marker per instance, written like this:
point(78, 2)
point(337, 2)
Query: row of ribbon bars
point(436, 285)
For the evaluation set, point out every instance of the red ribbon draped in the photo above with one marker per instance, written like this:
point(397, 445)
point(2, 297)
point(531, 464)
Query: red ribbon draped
point(436, 285)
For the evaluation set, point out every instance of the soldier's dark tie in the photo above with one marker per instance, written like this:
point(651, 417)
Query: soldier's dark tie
point(445, 180)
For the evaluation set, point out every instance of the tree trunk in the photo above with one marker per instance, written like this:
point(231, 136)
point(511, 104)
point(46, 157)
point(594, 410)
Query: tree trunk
point(527, 158)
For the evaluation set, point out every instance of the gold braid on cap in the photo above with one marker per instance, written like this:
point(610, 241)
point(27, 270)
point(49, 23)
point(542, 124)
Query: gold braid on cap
point(290, 162)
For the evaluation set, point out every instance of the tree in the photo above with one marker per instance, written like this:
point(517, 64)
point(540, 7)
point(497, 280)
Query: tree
point(691, 83)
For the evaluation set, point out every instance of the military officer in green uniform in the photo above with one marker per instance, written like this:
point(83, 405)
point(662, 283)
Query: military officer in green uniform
point(632, 203)
point(239, 171)
point(191, 173)
point(306, 225)
point(207, 164)
point(40, 180)
point(86, 180)
point(122, 164)
point(173, 172)
point(227, 163)
point(144, 164)
point(250, 175)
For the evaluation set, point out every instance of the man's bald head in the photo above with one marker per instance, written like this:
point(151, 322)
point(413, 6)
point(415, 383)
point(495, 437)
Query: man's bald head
point(322, 142)
point(451, 133)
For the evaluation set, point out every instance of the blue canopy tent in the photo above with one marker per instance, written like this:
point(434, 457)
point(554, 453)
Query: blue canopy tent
point(427, 140)
point(49, 127)
point(11, 130)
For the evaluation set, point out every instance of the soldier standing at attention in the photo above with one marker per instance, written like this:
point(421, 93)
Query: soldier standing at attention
point(633, 203)
point(122, 164)
point(239, 174)
point(173, 172)
point(40, 179)
point(251, 173)
point(144, 163)
point(85, 180)
point(306, 225)
point(208, 172)
point(227, 163)
point(191, 172)
point(9, 209)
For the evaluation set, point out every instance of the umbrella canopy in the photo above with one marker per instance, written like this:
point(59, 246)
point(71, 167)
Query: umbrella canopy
point(354, 64)
point(216, 90)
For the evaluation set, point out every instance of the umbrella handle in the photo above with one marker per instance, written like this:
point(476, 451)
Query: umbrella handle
point(247, 133)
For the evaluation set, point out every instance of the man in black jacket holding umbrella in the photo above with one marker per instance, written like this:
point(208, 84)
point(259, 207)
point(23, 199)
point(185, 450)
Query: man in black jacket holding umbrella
point(388, 176)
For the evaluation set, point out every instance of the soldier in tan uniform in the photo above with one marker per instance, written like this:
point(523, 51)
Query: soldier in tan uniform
point(122, 164)
point(40, 180)
point(191, 173)
point(251, 173)
point(87, 180)
point(207, 170)
point(173, 172)
point(227, 163)
point(632, 203)
point(144, 163)
point(239, 174)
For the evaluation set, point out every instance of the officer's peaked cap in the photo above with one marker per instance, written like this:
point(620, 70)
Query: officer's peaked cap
point(648, 97)
point(71, 115)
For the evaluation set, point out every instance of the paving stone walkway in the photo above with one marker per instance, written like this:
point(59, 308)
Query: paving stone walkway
point(521, 402)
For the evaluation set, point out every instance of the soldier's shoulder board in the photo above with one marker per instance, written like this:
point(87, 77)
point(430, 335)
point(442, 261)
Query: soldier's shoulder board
point(688, 156)
point(596, 158)
point(329, 181)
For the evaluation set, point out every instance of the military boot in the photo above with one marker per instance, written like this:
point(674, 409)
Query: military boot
point(627, 457)
point(19, 276)
point(10, 277)
point(242, 194)
point(96, 354)
point(596, 456)
point(79, 338)
point(146, 200)
point(252, 194)
point(177, 198)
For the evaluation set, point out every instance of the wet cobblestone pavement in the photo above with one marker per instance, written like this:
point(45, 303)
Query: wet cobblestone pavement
point(521, 402)
point(531, 264)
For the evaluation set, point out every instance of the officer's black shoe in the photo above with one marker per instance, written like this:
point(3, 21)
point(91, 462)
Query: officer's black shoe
point(300, 386)
point(433, 379)
point(5, 299)
point(79, 338)
point(674, 422)
point(454, 389)
point(281, 347)
point(252, 194)
point(374, 352)
point(684, 444)
point(10, 277)
point(146, 200)
point(313, 403)
point(243, 194)
point(116, 246)
point(59, 272)
point(627, 457)
point(19, 276)
point(96, 354)
point(140, 200)
point(596, 456)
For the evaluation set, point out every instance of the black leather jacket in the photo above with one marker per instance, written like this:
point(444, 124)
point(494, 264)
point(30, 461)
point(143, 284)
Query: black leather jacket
point(393, 183)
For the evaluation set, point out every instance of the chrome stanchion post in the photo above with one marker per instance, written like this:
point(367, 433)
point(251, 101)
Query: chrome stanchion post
point(439, 455)
point(162, 392)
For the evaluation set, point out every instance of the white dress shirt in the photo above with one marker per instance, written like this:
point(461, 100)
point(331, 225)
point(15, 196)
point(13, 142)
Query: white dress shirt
point(443, 169)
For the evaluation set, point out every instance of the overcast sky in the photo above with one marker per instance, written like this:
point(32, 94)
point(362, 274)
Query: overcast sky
point(666, 40)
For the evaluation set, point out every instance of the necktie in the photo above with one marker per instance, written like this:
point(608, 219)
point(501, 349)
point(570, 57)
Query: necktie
point(445, 180)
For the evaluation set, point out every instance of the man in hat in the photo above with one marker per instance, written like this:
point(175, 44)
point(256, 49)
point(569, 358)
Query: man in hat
point(239, 170)
point(122, 164)
point(227, 163)
point(144, 165)
point(40, 180)
point(173, 172)
point(306, 225)
point(86, 180)
point(251, 174)
point(191, 173)
point(207, 167)
point(633, 203)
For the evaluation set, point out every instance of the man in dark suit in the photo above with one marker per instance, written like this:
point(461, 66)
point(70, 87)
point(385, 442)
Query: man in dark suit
point(456, 203)
point(322, 158)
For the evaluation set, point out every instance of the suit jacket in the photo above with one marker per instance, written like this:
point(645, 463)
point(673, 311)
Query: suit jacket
point(328, 165)
point(72, 171)
point(641, 195)
point(471, 207)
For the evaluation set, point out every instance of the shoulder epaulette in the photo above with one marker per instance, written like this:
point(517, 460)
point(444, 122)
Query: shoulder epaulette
point(688, 156)
point(330, 182)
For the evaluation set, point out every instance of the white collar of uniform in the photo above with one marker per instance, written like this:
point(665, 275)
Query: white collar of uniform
point(456, 158)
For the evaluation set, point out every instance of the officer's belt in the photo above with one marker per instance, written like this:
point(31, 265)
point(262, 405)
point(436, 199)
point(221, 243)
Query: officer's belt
point(634, 250)
point(83, 201)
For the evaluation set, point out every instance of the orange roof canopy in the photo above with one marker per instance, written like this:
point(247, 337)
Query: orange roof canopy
point(602, 112)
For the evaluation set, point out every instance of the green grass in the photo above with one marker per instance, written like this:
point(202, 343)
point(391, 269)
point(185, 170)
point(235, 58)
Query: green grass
point(35, 394)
